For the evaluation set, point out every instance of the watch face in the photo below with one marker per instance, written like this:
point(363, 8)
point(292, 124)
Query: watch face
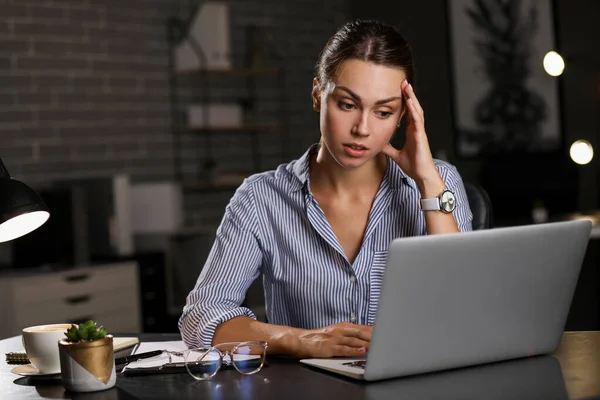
point(447, 201)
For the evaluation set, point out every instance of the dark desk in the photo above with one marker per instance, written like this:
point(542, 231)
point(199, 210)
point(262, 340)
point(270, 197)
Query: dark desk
point(573, 373)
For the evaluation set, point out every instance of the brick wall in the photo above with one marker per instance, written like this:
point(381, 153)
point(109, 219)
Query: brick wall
point(84, 87)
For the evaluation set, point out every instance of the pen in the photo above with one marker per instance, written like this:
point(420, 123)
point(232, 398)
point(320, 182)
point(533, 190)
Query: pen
point(135, 357)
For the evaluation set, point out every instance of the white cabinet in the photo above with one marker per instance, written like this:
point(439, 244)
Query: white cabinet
point(108, 294)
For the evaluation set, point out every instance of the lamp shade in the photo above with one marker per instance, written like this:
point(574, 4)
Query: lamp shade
point(22, 210)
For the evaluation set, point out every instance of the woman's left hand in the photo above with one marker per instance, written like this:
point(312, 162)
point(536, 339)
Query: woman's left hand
point(415, 157)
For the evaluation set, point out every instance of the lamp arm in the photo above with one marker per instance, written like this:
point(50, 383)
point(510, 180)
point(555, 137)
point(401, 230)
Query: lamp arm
point(3, 171)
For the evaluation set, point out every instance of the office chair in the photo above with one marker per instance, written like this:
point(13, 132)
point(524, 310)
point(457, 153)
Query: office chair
point(481, 206)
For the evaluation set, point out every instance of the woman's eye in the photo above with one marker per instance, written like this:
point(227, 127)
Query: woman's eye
point(345, 106)
point(384, 114)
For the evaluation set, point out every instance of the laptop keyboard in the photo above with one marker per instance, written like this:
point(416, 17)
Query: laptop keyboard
point(357, 364)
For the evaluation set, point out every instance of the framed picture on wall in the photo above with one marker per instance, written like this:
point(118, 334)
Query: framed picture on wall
point(503, 100)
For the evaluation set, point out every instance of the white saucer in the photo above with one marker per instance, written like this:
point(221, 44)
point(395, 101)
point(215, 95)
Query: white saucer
point(30, 370)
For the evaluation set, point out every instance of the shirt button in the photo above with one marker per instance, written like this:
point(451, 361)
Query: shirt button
point(353, 279)
point(352, 317)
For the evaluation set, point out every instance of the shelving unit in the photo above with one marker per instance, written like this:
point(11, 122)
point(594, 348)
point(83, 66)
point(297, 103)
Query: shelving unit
point(205, 177)
point(191, 244)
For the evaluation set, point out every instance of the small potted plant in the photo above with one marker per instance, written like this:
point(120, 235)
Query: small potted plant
point(87, 361)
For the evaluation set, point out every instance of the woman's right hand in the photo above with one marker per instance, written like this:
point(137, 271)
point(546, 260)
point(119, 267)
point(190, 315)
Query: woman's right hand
point(339, 340)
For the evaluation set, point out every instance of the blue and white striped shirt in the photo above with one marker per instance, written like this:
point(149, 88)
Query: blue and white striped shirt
point(274, 224)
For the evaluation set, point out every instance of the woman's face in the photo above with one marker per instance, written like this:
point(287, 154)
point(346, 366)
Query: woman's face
point(359, 110)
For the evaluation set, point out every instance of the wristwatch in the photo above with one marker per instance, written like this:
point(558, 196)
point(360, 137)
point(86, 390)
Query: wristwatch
point(445, 202)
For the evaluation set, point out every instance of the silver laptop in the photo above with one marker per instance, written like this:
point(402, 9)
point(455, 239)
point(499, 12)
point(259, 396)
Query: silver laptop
point(470, 298)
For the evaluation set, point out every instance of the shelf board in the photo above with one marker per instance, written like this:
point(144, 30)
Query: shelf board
point(234, 128)
point(231, 71)
point(224, 181)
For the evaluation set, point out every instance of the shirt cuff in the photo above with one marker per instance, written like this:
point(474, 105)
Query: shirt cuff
point(206, 332)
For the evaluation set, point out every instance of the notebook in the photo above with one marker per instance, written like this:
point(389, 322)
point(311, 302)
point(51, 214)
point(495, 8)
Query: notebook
point(173, 360)
point(122, 343)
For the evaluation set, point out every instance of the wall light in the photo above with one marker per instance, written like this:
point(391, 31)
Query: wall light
point(554, 64)
point(581, 152)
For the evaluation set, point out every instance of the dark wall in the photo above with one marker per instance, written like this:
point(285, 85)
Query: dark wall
point(84, 85)
point(84, 88)
point(426, 27)
point(578, 30)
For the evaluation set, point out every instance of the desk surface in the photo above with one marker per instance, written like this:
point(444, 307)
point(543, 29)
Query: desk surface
point(573, 372)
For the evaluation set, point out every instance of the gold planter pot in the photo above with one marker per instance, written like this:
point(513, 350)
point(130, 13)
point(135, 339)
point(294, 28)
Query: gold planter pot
point(87, 366)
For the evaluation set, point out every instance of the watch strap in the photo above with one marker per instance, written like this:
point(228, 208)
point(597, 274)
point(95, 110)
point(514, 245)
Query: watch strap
point(432, 204)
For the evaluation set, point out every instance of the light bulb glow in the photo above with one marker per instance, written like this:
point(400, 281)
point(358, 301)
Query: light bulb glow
point(581, 152)
point(554, 65)
point(22, 225)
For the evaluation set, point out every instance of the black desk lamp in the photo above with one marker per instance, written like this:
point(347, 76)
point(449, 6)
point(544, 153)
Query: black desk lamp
point(22, 210)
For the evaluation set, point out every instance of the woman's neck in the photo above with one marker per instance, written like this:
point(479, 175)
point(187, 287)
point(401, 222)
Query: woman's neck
point(327, 174)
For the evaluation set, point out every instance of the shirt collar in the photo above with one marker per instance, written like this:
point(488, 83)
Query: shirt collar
point(301, 170)
point(396, 177)
point(301, 167)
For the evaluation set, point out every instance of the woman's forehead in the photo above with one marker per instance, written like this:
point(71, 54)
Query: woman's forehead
point(369, 79)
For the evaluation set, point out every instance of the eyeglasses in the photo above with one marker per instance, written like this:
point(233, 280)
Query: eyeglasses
point(246, 357)
point(204, 362)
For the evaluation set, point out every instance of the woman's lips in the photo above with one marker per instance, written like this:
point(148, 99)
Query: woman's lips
point(355, 150)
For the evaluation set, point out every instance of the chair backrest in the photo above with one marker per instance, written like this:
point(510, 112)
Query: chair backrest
point(481, 206)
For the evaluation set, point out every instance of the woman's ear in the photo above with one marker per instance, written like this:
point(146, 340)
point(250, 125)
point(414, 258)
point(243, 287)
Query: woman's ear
point(316, 96)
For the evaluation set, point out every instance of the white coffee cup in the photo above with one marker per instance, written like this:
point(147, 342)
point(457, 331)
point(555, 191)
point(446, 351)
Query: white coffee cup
point(41, 346)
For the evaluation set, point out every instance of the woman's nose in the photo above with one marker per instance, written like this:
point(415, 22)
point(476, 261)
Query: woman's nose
point(361, 125)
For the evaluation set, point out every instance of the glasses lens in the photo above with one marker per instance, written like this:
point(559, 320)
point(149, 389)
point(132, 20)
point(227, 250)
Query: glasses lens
point(249, 358)
point(202, 363)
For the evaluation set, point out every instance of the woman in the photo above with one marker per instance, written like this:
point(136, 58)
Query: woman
point(319, 227)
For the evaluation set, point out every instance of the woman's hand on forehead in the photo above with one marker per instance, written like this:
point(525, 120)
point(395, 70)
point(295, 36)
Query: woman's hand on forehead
point(415, 157)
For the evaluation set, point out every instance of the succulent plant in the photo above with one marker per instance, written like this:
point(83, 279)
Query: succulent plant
point(86, 331)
